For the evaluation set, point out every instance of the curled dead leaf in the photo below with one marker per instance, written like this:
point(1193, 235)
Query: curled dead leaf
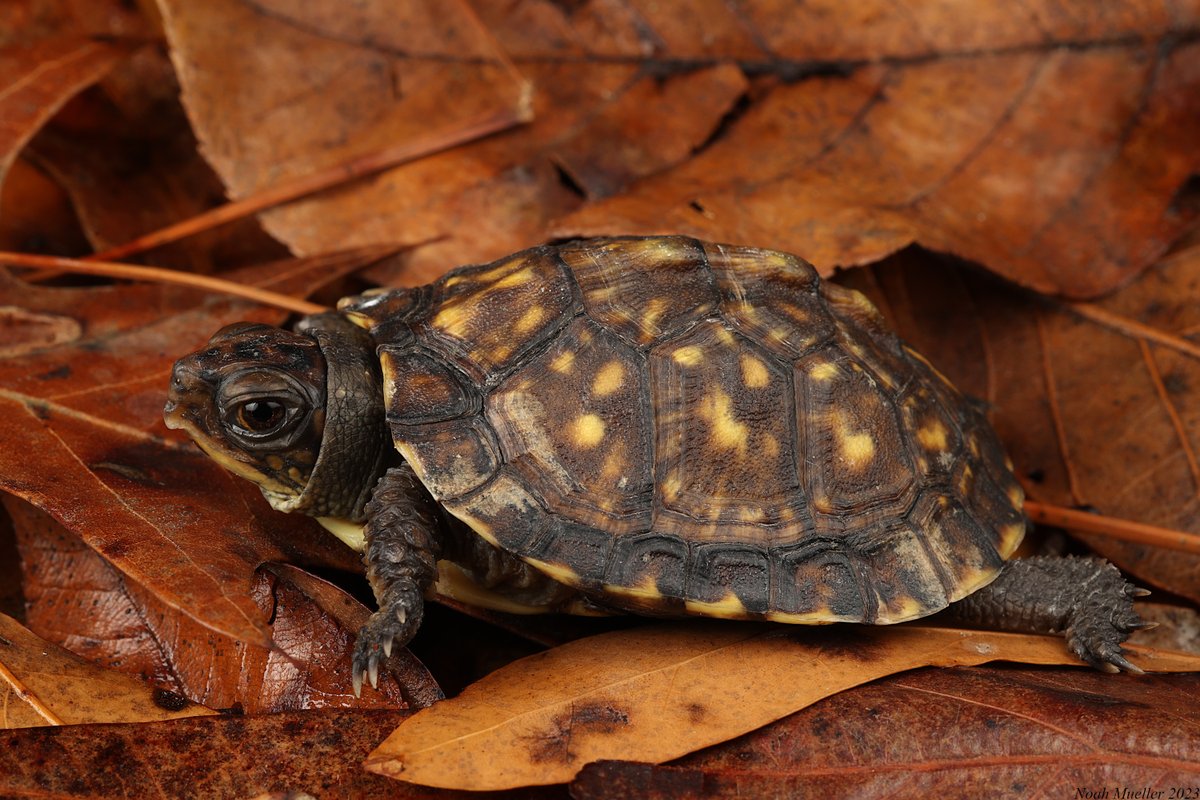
point(43, 684)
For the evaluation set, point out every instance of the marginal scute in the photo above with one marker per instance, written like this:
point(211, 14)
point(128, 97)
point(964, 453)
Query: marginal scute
point(650, 559)
point(739, 569)
point(958, 545)
point(905, 581)
point(579, 549)
point(816, 581)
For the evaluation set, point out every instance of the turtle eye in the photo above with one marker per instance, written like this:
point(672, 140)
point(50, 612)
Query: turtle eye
point(260, 416)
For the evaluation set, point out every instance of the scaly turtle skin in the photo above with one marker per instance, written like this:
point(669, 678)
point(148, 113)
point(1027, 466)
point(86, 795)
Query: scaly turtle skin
point(656, 425)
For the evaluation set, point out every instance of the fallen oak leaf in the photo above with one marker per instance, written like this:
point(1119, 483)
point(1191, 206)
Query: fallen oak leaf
point(657, 693)
point(43, 684)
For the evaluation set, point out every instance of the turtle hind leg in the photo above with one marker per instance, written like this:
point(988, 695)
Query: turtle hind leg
point(1085, 599)
point(401, 555)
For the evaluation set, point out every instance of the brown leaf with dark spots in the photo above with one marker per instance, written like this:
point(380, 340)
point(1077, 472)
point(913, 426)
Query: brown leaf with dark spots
point(659, 692)
point(316, 753)
point(1098, 405)
point(43, 684)
point(931, 733)
point(77, 599)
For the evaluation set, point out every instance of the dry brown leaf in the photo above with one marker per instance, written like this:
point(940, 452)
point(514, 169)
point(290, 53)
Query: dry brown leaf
point(43, 684)
point(76, 598)
point(1002, 733)
point(1052, 143)
point(656, 693)
point(278, 90)
point(38, 78)
point(1100, 412)
point(82, 385)
point(131, 165)
point(36, 214)
point(288, 755)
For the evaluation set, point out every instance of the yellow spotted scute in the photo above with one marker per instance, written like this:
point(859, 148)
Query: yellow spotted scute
point(723, 444)
point(676, 427)
point(581, 435)
point(644, 289)
point(485, 318)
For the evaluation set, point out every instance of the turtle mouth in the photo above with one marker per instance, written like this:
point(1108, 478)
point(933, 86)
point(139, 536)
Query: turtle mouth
point(185, 398)
point(189, 409)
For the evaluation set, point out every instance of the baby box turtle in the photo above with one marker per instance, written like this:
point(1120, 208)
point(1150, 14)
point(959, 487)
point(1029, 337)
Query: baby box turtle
point(656, 425)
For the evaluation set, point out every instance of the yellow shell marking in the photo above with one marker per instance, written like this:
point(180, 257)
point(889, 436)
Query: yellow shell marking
point(614, 465)
point(671, 487)
point(514, 279)
point(1016, 496)
point(905, 609)
point(727, 431)
point(646, 589)
point(857, 448)
point(933, 436)
point(728, 607)
point(654, 309)
point(453, 319)
point(819, 617)
point(587, 430)
point(770, 446)
point(822, 371)
point(688, 356)
point(609, 379)
point(559, 572)
point(754, 372)
point(752, 514)
point(563, 362)
point(530, 319)
point(1010, 538)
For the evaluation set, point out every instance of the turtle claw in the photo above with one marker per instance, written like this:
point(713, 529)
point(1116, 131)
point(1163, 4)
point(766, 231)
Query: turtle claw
point(1101, 623)
point(388, 626)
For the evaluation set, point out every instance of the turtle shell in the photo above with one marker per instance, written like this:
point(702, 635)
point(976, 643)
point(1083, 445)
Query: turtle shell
point(675, 426)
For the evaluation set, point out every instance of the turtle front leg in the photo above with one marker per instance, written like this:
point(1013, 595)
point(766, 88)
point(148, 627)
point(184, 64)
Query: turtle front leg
point(401, 558)
point(1085, 599)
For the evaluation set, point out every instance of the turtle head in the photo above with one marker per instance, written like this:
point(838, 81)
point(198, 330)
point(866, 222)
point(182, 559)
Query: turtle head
point(298, 413)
